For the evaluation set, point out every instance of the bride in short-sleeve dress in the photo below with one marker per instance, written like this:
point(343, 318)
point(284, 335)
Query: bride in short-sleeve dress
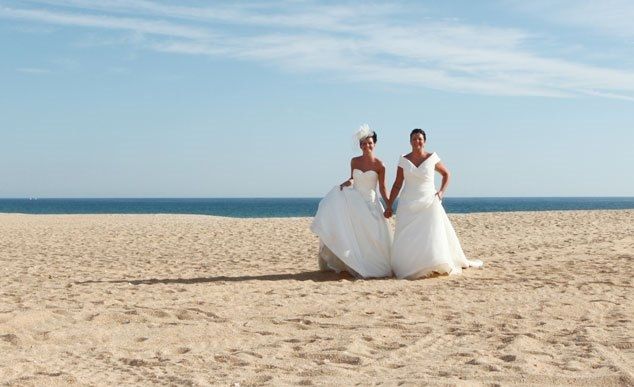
point(424, 240)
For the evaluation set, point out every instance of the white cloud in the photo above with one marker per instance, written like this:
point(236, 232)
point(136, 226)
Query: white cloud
point(360, 43)
point(608, 17)
point(33, 70)
point(288, 14)
point(108, 22)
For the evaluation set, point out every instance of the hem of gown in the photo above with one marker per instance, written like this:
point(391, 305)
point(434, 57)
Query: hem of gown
point(326, 266)
point(428, 271)
point(443, 269)
point(329, 261)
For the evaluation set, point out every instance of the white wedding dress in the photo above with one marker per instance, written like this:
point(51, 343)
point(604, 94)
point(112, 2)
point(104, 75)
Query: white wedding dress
point(354, 234)
point(424, 241)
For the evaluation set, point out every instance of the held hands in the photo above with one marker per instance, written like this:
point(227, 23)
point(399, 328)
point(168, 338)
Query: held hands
point(388, 212)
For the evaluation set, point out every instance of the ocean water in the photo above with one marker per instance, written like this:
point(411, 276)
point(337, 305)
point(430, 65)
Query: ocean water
point(288, 207)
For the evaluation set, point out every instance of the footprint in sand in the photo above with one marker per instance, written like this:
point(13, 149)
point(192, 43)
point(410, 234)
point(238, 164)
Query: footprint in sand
point(10, 338)
point(508, 358)
point(322, 358)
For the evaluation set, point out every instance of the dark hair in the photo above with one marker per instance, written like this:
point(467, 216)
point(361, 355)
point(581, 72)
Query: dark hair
point(418, 131)
point(373, 136)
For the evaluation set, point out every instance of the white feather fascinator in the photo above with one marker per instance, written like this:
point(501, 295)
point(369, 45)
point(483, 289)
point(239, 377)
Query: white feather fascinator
point(363, 132)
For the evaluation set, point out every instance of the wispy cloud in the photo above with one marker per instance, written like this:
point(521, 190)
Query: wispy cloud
point(108, 22)
point(305, 15)
point(608, 17)
point(353, 42)
point(33, 70)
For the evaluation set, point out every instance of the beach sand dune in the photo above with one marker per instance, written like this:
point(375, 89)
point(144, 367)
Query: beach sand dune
point(197, 300)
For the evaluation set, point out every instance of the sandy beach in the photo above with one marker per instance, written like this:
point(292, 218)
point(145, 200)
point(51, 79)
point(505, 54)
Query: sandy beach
point(198, 300)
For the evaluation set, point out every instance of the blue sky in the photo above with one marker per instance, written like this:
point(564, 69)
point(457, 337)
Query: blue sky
point(118, 98)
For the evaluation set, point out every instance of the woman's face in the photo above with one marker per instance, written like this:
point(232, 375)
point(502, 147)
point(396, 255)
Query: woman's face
point(417, 141)
point(367, 145)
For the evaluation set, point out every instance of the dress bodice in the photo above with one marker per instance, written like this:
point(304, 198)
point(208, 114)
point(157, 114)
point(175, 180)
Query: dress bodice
point(365, 183)
point(418, 180)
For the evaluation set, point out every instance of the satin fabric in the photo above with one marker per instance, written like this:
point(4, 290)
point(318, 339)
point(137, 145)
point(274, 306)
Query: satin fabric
point(425, 242)
point(354, 235)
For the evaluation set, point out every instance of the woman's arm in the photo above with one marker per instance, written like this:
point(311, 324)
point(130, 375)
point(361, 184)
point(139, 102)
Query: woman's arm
point(440, 168)
point(382, 190)
point(396, 189)
point(348, 182)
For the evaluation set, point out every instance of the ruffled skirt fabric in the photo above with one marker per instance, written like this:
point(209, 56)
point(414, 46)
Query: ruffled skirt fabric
point(425, 242)
point(354, 235)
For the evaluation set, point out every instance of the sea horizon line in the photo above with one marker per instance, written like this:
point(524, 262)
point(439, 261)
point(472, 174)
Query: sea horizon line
point(293, 197)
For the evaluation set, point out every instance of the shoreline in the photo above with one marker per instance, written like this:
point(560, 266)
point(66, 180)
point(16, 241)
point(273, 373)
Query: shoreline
point(292, 208)
point(450, 214)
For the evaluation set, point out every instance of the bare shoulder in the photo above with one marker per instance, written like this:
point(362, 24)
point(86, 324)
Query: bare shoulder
point(378, 164)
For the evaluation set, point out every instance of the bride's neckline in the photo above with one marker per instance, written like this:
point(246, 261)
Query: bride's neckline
point(369, 170)
point(422, 162)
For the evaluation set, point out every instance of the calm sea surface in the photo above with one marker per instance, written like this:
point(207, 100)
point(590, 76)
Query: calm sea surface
point(289, 207)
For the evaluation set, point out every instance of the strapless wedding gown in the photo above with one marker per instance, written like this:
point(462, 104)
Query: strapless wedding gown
point(354, 234)
point(424, 241)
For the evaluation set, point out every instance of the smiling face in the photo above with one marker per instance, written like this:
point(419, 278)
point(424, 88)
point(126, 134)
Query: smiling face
point(417, 140)
point(367, 145)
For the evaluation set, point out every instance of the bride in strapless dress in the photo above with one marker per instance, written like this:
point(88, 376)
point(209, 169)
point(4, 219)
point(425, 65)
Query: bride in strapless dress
point(353, 232)
point(424, 241)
